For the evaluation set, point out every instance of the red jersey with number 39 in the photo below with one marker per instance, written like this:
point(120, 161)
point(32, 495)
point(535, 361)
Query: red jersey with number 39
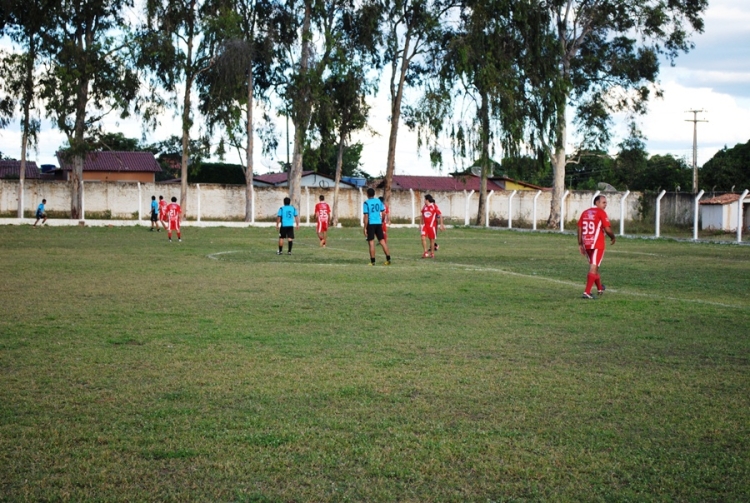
point(592, 224)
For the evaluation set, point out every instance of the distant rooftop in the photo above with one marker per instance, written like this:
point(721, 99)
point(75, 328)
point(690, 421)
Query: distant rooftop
point(115, 161)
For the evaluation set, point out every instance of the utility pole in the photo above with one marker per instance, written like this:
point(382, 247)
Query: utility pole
point(695, 122)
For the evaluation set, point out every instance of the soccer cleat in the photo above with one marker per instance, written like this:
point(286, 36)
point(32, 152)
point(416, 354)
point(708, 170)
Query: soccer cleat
point(601, 292)
point(436, 247)
point(170, 240)
point(432, 255)
point(387, 262)
point(288, 253)
point(426, 255)
point(179, 240)
point(371, 263)
point(588, 296)
point(278, 253)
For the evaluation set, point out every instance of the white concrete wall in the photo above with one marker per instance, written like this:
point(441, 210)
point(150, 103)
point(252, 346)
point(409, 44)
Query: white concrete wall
point(227, 202)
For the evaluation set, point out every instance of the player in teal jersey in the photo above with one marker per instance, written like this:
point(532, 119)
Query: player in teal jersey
point(286, 219)
point(41, 214)
point(373, 210)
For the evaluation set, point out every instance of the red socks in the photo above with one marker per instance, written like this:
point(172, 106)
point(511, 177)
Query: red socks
point(598, 282)
point(590, 279)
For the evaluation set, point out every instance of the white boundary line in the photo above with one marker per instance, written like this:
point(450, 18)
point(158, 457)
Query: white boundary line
point(470, 268)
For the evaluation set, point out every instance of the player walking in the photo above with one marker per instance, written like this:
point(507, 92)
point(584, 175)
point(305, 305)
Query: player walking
point(286, 219)
point(428, 230)
point(174, 215)
point(592, 226)
point(373, 210)
point(386, 219)
point(154, 214)
point(438, 221)
point(322, 216)
point(163, 212)
point(41, 214)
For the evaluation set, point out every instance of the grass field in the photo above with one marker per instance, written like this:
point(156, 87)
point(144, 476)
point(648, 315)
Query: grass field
point(214, 370)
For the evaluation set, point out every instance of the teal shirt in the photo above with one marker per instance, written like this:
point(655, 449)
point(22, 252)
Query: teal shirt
point(373, 209)
point(287, 214)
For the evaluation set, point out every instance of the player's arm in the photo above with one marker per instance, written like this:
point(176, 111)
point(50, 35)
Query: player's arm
point(296, 220)
point(442, 223)
point(608, 231)
point(365, 221)
point(278, 221)
point(580, 240)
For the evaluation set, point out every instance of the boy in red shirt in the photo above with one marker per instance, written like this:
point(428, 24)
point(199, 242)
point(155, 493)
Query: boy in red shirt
point(592, 226)
point(322, 216)
point(174, 215)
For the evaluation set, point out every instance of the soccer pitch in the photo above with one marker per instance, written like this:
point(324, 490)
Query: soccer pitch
point(132, 369)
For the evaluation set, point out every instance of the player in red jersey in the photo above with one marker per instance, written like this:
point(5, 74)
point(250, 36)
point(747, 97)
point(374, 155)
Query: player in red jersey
point(386, 219)
point(174, 215)
point(438, 221)
point(163, 212)
point(428, 221)
point(592, 226)
point(322, 216)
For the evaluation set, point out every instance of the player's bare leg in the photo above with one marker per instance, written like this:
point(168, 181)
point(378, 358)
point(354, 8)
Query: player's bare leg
point(384, 245)
point(371, 245)
point(281, 246)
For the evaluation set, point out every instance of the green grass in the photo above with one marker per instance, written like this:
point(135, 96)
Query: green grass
point(214, 370)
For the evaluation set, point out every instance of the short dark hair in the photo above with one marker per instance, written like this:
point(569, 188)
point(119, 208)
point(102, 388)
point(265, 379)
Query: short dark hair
point(44, 200)
point(161, 197)
point(174, 199)
point(382, 199)
point(287, 201)
point(429, 198)
point(596, 199)
point(322, 197)
point(370, 192)
point(153, 198)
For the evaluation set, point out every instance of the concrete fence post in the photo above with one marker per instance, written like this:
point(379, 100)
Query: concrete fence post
point(740, 224)
point(510, 209)
point(622, 212)
point(562, 210)
point(658, 213)
point(487, 209)
point(468, 200)
point(696, 206)
point(539, 193)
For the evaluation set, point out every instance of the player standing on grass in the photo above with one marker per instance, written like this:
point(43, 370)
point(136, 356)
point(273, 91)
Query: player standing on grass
point(373, 210)
point(428, 230)
point(41, 214)
point(438, 220)
point(592, 226)
point(322, 215)
point(174, 215)
point(286, 219)
point(386, 219)
point(154, 214)
point(163, 212)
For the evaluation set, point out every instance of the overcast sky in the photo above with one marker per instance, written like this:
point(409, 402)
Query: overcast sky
point(715, 77)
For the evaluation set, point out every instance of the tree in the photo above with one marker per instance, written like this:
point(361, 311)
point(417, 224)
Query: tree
point(729, 168)
point(479, 66)
point(413, 27)
point(607, 60)
point(89, 75)
point(245, 34)
point(169, 47)
point(25, 26)
point(666, 172)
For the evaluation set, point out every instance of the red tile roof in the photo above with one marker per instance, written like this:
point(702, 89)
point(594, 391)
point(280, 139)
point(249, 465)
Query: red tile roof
point(115, 161)
point(12, 169)
point(722, 199)
point(440, 183)
point(274, 178)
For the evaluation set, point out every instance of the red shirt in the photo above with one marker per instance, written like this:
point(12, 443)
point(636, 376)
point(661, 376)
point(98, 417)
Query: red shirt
point(162, 207)
point(173, 212)
point(592, 224)
point(430, 212)
point(386, 212)
point(323, 211)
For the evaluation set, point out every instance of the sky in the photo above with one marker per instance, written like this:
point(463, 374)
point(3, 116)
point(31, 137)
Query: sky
point(714, 76)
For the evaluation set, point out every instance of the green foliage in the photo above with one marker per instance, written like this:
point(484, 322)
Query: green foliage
point(322, 159)
point(213, 172)
point(730, 167)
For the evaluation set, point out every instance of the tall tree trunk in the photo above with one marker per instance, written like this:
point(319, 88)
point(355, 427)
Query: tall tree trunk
point(484, 138)
point(85, 40)
point(397, 94)
point(22, 173)
point(558, 169)
point(186, 124)
point(28, 95)
point(301, 116)
point(339, 165)
point(249, 190)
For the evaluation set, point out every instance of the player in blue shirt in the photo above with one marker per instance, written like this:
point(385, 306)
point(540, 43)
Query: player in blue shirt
point(286, 219)
point(41, 214)
point(373, 210)
point(154, 214)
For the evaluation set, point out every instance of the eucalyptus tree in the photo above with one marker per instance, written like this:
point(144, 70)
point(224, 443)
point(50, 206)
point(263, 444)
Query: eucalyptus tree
point(169, 46)
point(412, 29)
point(245, 35)
point(88, 75)
point(320, 28)
point(24, 22)
point(606, 60)
point(477, 95)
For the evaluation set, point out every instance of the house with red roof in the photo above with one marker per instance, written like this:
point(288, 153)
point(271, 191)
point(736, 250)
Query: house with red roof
point(12, 170)
point(720, 212)
point(114, 167)
point(455, 183)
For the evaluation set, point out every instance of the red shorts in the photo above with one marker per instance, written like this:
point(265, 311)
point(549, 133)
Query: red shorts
point(429, 232)
point(174, 225)
point(322, 226)
point(595, 256)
